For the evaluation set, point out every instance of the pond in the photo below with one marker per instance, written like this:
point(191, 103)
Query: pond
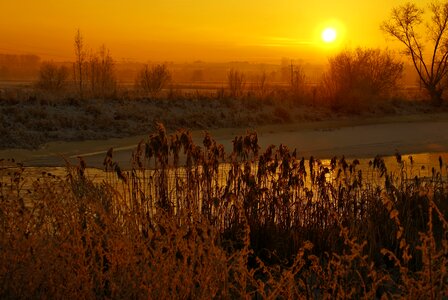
point(423, 165)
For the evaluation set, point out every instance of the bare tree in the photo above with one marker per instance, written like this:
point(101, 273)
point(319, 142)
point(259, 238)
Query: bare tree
point(51, 77)
point(236, 82)
point(93, 65)
point(80, 56)
point(101, 73)
point(297, 78)
point(431, 66)
point(107, 79)
point(153, 79)
point(261, 84)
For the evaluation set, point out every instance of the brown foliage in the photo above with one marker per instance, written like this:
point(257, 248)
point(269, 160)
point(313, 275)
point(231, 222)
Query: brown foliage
point(153, 79)
point(51, 77)
point(236, 82)
point(267, 225)
point(357, 75)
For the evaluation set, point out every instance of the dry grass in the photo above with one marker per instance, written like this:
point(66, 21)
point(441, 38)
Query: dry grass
point(30, 118)
point(192, 222)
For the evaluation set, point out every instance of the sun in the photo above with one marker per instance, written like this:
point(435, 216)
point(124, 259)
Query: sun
point(329, 35)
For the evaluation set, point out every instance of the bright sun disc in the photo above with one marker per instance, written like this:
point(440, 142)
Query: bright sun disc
point(329, 35)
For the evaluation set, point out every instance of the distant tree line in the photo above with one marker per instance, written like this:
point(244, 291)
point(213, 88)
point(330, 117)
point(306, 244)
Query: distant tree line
point(18, 66)
point(94, 75)
point(352, 76)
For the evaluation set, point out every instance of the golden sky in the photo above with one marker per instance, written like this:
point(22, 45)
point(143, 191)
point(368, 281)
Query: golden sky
point(184, 31)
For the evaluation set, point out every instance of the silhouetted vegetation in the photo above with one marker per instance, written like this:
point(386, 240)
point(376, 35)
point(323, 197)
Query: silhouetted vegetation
point(93, 74)
point(151, 80)
point(31, 118)
point(194, 222)
point(261, 85)
point(52, 78)
point(298, 80)
point(101, 74)
point(14, 66)
point(204, 224)
point(432, 65)
point(79, 64)
point(97, 105)
point(358, 76)
point(236, 82)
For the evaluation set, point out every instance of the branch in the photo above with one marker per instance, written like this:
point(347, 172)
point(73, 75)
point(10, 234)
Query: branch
point(416, 56)
point(420, 52)
point(442, 67)
point(401, 26)
point(441, 24)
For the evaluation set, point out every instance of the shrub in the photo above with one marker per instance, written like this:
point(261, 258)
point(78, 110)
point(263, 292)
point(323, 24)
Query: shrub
point(360, 73)
point(261, 85)
point(298, 79)
point(153, 79)
point(51, 77)
point(236, 82)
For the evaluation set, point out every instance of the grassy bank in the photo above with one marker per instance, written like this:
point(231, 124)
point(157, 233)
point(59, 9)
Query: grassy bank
point(29, 118)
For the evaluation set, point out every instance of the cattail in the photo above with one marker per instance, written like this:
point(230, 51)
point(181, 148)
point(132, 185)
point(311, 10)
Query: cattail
point(207, 140)
point(398, 157)
point(82, 167)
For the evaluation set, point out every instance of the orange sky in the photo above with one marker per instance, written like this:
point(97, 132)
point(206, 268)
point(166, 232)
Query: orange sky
point(184, 31)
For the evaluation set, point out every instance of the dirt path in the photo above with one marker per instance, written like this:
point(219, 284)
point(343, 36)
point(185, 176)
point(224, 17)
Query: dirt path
point(359, 138)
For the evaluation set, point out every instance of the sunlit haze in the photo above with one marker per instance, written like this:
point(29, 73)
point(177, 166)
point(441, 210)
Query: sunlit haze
point(181, 30)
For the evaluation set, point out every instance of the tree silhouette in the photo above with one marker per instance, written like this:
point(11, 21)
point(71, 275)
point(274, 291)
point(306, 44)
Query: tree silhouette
point(355, 74)
point(80, 61)
point(51, 77)
point(101, 73)
point(431, 66)
point(153, 79)
point(236, 82)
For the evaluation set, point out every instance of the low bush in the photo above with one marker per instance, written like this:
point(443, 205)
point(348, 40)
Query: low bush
point(359, 77)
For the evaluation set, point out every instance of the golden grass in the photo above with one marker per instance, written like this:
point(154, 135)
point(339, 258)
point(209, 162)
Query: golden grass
point(204, 224)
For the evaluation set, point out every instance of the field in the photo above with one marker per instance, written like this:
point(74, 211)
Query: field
point(190, 221)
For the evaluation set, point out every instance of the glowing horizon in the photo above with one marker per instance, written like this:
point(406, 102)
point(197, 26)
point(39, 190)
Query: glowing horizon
point(177, 30)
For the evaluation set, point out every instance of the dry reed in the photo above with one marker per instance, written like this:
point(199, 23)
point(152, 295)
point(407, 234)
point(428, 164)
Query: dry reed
point(190, 221)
